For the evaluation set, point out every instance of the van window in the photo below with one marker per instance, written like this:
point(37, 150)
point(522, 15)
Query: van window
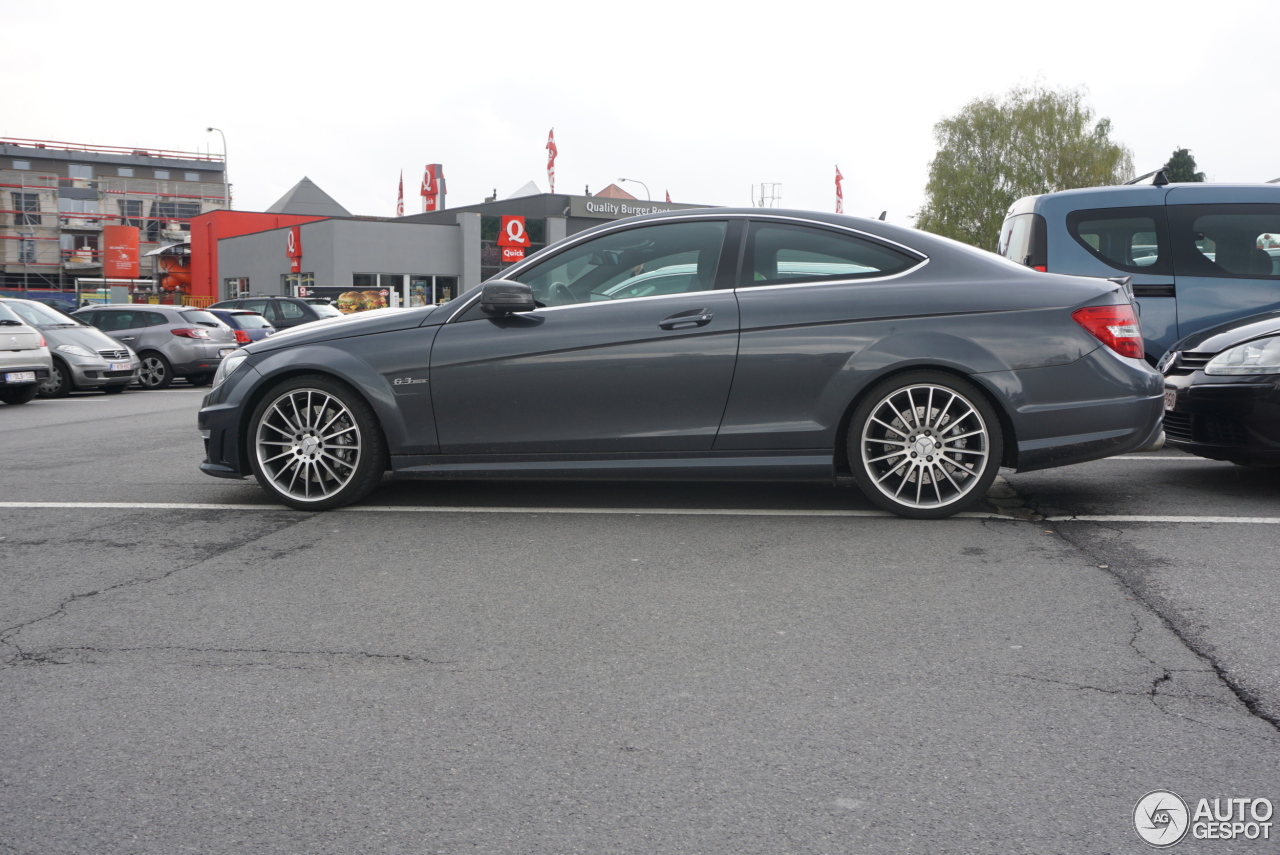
point(1023, 239)
point(1129, 239)
point(1227, 241)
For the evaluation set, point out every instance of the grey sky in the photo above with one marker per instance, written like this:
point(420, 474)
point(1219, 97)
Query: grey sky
point(700, 99)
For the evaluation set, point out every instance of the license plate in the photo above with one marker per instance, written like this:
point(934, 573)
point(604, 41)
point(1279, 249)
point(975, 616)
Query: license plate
point(225, 352)
point(20, 377)
point(119, 366)
point(1170, 398)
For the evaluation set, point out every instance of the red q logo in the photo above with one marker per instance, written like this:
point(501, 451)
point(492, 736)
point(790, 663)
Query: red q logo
point(513, 232)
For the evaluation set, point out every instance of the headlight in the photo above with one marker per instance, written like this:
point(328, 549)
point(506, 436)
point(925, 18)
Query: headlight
point(1254, 357)
point(229, 365)
point(76, 350)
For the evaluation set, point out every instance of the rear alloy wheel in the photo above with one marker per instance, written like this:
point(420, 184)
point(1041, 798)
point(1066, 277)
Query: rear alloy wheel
point(59, 383)
point(156, 372)
point(925, 445)
point(315, 444)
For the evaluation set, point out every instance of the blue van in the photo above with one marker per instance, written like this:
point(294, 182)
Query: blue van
point(1200, 254)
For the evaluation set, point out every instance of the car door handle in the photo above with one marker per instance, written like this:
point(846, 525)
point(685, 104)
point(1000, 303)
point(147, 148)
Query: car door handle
point(687, 320)
point(128, 337)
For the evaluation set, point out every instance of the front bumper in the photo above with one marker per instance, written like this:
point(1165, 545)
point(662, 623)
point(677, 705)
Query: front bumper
point(1234, 418)
point(95, 374)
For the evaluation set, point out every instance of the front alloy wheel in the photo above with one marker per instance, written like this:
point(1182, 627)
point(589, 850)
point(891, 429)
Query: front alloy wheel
point(925, 445)
point(316, 444)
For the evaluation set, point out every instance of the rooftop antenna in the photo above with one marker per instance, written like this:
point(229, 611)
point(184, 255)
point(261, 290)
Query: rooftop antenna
point(768, 197)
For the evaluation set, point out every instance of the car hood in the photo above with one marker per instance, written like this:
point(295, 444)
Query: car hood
point(329, 329)
point(86, 337)
point(1219, 338)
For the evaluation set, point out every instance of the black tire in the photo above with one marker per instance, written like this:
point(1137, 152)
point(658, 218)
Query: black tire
point(18, 394)
point(925, 444)
point(156, 372)
point(114, 390)
point(318, 428)
point(199, 379)
point(59, 383)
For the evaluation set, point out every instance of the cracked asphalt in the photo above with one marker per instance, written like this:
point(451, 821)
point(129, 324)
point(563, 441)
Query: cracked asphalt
point(270, 681)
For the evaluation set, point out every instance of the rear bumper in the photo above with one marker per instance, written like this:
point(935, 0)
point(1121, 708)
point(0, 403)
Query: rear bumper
point(1100, 405)
point(41, 371)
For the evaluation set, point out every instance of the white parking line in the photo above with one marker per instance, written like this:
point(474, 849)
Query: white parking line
point(696, 512)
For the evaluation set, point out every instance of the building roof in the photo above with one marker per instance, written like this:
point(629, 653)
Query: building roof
point(307, 199)
point(529, 189)
point(613, 191)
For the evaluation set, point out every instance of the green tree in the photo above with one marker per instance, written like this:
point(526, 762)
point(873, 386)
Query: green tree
point(1182, 167)
point(996, 150)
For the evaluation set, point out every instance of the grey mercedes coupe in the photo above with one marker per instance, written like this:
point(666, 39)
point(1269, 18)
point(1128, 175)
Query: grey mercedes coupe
point(710, 344)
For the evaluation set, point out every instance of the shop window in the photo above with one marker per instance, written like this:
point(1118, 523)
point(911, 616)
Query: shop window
point(298, 284)
point(26, 208)
point(364, 281)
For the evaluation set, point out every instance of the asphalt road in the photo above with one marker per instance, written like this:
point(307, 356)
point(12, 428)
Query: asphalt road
point(563, 668)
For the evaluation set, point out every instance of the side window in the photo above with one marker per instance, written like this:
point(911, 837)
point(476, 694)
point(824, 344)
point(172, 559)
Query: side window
point(290, 311)
point(1226, 241)
point(1130, 239)
point(1024, 240)
point(779, 254)
point(116, 321)
point(152, 319)
point(649, 261)
point(262, 307)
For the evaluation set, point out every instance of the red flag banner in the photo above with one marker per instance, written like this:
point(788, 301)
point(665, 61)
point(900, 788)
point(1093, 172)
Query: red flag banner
point(400, 197)
point(839, 191)
point(668, 197)
point(552, 151)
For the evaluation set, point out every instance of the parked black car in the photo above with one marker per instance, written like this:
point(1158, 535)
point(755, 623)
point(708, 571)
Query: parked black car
point(1222, 392)
point(796, 346)
point(284, 312)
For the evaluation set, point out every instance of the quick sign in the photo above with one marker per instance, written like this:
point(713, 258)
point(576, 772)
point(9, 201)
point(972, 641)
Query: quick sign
point(293, 248)
point(513, 238)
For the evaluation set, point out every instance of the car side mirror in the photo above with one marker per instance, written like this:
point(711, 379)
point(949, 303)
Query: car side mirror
point(504, 297)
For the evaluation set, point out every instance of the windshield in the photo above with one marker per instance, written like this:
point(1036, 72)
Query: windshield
point(40, 315)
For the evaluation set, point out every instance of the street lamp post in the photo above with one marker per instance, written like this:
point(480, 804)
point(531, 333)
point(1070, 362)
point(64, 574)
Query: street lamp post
point(226, 174)
point(642, 184)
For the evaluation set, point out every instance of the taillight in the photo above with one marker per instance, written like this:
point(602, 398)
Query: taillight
point(1043, 268)
point(242, 337)
point(41, 344)
point(190, 333)
point(1115, 326)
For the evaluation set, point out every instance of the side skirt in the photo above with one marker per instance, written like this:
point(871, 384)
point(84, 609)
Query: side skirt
point(697, 466)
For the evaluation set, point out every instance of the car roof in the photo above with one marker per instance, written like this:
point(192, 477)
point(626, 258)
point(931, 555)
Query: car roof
point(1135, 195)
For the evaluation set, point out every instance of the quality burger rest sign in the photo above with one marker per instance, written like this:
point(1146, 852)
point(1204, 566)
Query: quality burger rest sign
point(617, 209)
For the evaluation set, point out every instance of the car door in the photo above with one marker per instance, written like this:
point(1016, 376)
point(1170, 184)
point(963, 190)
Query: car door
point(804, 292)
point(1222, 264)
point(123, 325)
point(598, 367)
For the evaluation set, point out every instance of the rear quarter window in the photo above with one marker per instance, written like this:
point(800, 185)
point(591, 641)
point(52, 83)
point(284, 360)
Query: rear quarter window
point(1134, 240)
